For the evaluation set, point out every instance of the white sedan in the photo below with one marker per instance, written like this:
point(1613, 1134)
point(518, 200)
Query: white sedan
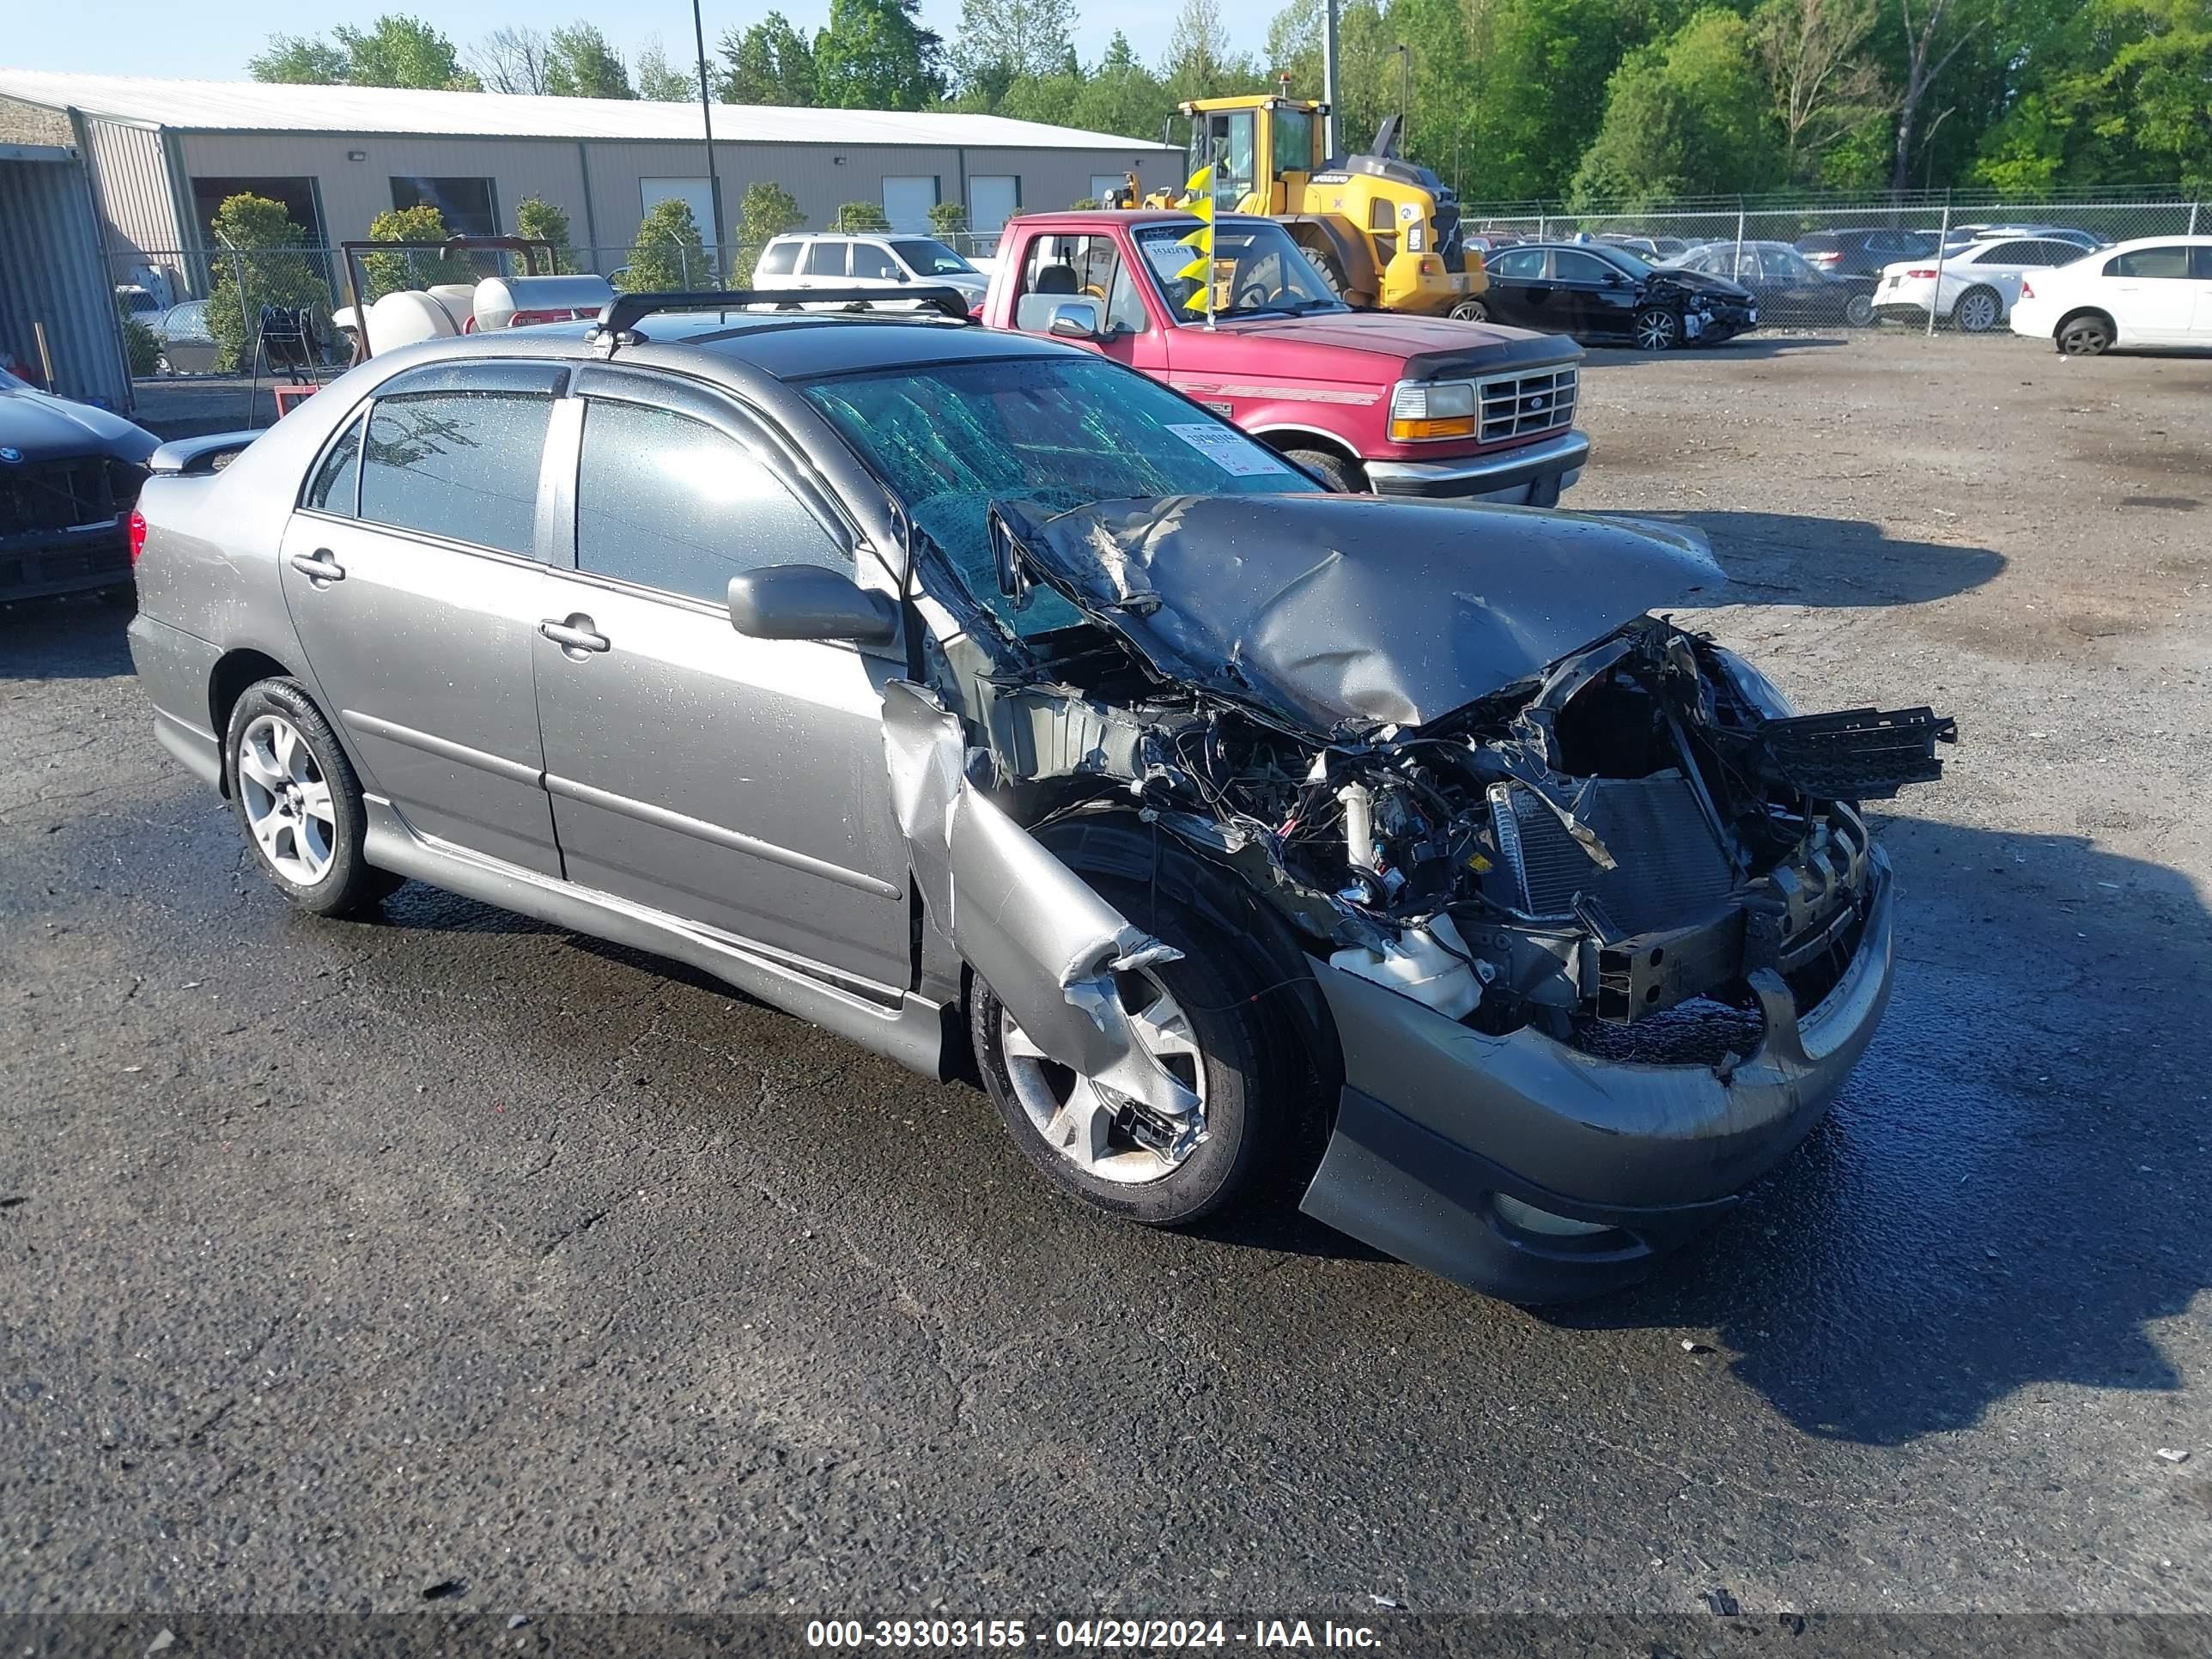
point(1979, 284)
point(2156, 291)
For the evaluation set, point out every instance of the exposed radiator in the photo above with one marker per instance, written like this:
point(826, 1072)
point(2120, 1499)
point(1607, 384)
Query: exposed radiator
point(1670, 867)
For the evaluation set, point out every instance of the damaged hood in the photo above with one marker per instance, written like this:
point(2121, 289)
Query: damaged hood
point(1343, 613)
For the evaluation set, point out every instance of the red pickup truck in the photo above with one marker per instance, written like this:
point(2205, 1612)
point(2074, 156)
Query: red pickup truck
point(1399, 404)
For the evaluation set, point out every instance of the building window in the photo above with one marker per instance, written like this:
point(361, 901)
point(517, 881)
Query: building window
point(296, 196)
point(467, 205)
point(993, 198)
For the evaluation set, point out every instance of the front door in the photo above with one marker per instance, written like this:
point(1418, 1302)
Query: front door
point(735, 782)
point(413, 576)
point(1598, 298)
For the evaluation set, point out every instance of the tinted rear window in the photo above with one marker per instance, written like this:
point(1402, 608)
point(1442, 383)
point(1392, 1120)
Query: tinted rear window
point(778, 260)
point(462, 465)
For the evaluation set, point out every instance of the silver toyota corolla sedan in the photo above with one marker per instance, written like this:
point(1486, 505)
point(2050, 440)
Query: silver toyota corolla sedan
point(958, 691)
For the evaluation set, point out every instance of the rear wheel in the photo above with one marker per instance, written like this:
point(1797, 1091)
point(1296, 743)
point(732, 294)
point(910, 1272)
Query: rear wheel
point(1331, 270)
point(1979, 311)
point(1342, 475)
point(1859, 311)
point(1657, 329)
point(1199, 1020)
point(297, 800)
point(1470, 311)
point(2085, 334)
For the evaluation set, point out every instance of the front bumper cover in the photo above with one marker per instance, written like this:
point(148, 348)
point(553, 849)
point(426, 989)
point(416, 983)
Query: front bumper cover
point(1437, 1121)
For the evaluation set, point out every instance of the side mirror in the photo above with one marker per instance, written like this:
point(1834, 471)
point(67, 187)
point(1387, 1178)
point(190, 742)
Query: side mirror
point(1078, 318)
point(809, 602)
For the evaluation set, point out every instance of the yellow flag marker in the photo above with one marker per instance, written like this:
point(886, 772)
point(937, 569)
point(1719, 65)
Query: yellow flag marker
point(1200, 269)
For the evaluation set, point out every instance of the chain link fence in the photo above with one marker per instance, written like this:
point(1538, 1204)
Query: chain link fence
point(1923, 261)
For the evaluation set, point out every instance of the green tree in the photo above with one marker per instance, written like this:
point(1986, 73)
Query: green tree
point(948, 219)
point(259, 263)
point(659, 80)
point(2120, 98)
point(540, 221)
point(670, 256)
point(1828, 90)
point(764, 213)
point(139, 345)
point(387, 273)
point(857, 217)
point(580, 63)
point(1120, 96)
point(874, 55)
point(394, 50)
point(1690, 115)
point(770, 64)
point(1202, 62)
point(299, 59)
point(1000, 41)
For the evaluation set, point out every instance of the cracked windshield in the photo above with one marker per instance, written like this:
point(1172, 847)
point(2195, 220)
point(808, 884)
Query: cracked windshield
point(1258, 271)
point(1062, 433)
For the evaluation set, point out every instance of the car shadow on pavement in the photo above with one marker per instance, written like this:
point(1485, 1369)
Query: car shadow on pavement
point(1756, 349)
point(1787, 558)
point(77, 637)
point(2010, 1195)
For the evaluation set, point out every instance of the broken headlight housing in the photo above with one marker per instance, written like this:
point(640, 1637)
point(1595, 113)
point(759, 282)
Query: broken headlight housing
point(1762, 694)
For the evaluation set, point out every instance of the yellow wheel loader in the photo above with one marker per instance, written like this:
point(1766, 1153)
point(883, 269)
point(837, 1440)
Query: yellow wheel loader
point(1383, 231)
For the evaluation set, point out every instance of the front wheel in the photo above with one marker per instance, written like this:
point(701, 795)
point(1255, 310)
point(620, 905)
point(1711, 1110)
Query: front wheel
point(1199, 1022)
point(1470, 311)
point(1657, 329)
point(297, 800)
point(1859, 311)
point(1341, 476)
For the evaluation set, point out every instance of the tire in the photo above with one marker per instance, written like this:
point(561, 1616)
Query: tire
point(1344, 478)
point(1331, 271)
point(1656, 329)
point(2085, 334)
point(162, 366)
point(1979, 310)
point(1234, 1058)
point(277, 783)
point(1859, 311)
point(1472, 311)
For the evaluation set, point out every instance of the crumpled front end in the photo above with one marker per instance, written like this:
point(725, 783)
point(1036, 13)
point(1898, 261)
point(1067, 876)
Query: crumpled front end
point(1598, 944)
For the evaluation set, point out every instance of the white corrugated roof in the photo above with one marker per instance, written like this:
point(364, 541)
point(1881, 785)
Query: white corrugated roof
point(250, 105)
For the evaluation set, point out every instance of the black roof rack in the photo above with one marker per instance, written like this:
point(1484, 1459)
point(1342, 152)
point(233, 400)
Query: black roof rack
point(624, 311)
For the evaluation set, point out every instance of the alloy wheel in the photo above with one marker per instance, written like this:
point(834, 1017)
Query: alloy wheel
point(1101, 1134)
point(2084, 337)
point(1978, 312)
point(1655, 329)
point(287, 801)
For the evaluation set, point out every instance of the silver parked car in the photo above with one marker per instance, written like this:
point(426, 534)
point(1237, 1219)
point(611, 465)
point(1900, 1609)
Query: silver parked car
point(186, 345)
point(974, 697)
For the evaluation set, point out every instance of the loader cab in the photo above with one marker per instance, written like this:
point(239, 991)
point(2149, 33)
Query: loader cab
point(1262, 151)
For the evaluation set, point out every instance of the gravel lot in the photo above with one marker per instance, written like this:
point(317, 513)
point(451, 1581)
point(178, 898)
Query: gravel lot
point(342, 1259)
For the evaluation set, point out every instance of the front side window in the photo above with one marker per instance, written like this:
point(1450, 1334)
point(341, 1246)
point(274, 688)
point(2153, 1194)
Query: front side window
point(1061, 432)
point(1579, 268)
point(336, 487)
point(461, 465)
point(1257, 270)
point(669, 502)
point(875, 264)
point(928, 259)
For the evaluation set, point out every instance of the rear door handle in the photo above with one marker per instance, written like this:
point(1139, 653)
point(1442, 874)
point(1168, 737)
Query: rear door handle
point(318, 565)
point(574, 634)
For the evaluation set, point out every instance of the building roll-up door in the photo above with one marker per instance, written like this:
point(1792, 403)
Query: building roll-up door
point(907, 202)
point(993, 198)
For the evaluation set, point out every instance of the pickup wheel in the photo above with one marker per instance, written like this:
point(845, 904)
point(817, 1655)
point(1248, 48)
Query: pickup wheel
point(1344, 478)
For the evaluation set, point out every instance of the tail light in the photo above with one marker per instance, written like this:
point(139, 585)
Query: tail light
point(1830, 259)
point(1927, 272)
point(2026, 289)
point(138, 534)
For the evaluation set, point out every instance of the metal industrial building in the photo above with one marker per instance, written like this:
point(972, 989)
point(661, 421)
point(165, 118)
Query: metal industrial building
point(162, 154)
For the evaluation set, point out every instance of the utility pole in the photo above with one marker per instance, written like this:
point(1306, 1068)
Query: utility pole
point(1328, 78)
point(707, 115)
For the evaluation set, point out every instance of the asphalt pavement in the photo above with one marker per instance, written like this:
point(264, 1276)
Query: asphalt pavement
point(447, 1254)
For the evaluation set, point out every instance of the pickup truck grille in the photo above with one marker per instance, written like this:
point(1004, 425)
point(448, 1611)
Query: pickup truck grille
point(1521, 406)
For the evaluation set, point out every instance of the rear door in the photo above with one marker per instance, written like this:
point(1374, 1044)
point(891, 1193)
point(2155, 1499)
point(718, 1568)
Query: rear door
point(2200, 271)
point(1520, 291)
point(824, 262)
point(412, 572)
point(734, 782)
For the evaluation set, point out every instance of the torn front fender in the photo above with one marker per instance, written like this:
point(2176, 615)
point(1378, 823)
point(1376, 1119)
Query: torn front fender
point(1037, 933)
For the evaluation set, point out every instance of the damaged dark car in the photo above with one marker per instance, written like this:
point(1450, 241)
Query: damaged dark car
point(1243, 836)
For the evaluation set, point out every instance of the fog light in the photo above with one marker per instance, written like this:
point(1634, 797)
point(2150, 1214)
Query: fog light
point(1530, 1219)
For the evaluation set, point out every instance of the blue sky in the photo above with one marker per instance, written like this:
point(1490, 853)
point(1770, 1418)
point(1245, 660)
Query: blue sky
point(213, 39)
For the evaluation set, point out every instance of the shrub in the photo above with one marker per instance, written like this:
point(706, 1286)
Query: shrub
point(540, 221)
point(947, 220)
point(418, 268)
point(139, 344)
point(259, 261)
point(856, 216)
point(670, 255)
point(767, 211)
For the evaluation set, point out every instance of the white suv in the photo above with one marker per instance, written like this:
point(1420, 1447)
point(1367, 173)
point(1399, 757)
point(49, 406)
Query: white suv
point(889, 261)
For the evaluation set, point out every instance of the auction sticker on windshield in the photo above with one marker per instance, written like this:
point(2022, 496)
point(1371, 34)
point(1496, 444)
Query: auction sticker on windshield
point(1232, 452)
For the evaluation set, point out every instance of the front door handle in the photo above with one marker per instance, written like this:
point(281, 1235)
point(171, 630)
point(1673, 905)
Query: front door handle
point(320, 566)
point(574, 635)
